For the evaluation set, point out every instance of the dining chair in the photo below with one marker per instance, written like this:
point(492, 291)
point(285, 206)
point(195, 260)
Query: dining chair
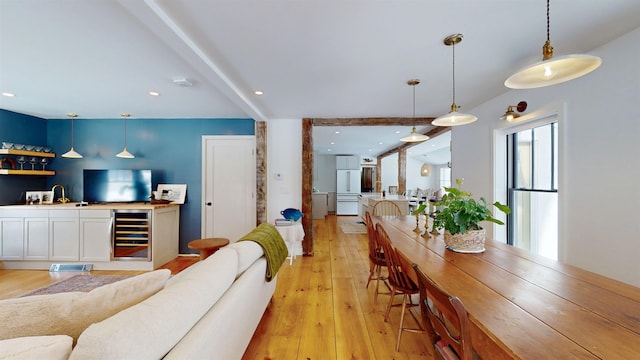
point(386, 208)
point(376, 259)
point(450, 327)
point(401, 284)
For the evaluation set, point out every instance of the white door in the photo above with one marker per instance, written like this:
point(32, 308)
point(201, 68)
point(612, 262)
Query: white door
point(228, 186)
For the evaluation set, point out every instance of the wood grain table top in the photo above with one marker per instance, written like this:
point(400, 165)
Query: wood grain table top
point(525, 306)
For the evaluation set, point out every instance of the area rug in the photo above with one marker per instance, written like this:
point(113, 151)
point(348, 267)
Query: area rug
point(353, 227)
point(78, 283)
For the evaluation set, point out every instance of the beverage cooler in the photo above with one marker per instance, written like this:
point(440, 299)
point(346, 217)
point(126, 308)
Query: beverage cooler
point(131, 235)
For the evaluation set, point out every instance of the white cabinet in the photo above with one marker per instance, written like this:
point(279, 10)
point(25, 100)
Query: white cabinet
point(11, 237)
point(64, 235)
point(33, 237)
point(350, 162)
point(36, 237)
point(320, 205)
point(95, 235)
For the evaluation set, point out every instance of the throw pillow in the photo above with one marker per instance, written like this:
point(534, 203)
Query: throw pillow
point(56, 347)
point(72, 312)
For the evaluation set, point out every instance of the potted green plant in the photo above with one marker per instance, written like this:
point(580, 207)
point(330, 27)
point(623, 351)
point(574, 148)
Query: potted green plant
point(460, 216)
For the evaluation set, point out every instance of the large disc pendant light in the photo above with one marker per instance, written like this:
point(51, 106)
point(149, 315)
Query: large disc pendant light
point(550, 70)
point(125, 154)
point(454, 118)
point(72, 154)
point(414, 136)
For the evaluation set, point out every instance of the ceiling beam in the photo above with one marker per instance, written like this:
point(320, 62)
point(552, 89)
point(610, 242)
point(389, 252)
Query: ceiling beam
point(374, 121)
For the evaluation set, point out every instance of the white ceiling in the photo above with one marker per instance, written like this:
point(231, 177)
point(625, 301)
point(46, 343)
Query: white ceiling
point(315, 58)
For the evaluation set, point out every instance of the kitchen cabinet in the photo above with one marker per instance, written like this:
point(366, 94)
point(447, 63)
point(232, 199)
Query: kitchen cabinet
point(320, 205)
point(95, 235)
point(64, 236)
point(350, 162)
point(36, 237)
point(11, 237)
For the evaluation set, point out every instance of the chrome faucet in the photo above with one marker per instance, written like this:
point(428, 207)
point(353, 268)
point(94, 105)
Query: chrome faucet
point(61, 199)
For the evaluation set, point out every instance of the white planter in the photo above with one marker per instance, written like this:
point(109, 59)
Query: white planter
point(470, 242)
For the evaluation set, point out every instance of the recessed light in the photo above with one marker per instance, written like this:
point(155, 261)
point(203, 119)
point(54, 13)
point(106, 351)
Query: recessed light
point(7, 94)
point(380, 143)
point(258, 92)
point(337, 132)
point(332, 143)
point(397, 131)
point(154, 93)
point(370, 150)
point(328, 149)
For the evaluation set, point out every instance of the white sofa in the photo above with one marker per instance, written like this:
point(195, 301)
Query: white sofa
point(208, 311)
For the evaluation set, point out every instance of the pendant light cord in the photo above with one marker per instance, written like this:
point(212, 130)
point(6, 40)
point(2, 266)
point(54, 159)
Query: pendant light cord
point(454, 71)
point(125, 133)
point(72, 120)
point(548, 36)
point(414, 105)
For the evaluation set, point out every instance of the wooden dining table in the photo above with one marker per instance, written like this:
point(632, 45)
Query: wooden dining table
point(525, 306)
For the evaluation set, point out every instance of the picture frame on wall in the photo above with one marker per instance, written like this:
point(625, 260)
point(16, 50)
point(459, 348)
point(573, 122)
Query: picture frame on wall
point(175, 193)
point(33, 197)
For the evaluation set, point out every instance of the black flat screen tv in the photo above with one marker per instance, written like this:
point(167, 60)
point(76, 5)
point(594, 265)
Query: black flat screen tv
point(106, 186)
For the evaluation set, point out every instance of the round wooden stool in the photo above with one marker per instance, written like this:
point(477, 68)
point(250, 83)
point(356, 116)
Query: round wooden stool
point(207, 246)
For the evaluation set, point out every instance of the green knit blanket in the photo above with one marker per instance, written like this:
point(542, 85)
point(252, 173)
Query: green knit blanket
point(275, 250)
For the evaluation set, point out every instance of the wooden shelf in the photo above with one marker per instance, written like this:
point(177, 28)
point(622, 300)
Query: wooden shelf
point(26, 153)
point(26, 172)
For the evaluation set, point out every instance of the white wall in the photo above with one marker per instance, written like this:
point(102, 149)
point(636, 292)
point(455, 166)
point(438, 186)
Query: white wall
point(284, 156)
point(414, 179)
point(389, 171)
point(598, 130)
point(324, 177)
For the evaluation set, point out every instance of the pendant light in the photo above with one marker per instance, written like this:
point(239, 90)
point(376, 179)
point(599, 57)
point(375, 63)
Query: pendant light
point(414, 136)
point(125, 154)
point(551, 71)
point(454, 118)
point(72, 154)
point(425, 170)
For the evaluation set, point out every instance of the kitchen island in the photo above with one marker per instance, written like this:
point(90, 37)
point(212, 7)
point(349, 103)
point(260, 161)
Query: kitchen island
point(368, 200)
point(114, 236)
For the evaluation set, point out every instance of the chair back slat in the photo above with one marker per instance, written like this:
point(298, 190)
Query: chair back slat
point(374, 248)
point(386, 208)
point(397, 277)
point(446, 314)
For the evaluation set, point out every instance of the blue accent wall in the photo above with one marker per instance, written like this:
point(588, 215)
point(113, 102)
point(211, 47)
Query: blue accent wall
point(20, 129)
point(171, 148)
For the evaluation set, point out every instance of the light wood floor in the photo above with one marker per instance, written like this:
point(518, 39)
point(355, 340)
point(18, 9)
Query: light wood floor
point(320, 310)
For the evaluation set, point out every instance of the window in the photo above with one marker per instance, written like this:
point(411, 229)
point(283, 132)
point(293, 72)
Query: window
point(445, 177)
point(533, 189)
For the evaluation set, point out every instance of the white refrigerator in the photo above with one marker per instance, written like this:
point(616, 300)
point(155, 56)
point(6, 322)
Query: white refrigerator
point(347, 192)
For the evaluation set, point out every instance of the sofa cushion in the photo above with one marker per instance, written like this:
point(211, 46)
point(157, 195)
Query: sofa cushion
point(150, 329)
point(52, 347)
point(72, 312)
point(248, 253)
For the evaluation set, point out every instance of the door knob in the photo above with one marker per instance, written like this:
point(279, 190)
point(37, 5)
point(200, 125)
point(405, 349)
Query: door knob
point(209, 203)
